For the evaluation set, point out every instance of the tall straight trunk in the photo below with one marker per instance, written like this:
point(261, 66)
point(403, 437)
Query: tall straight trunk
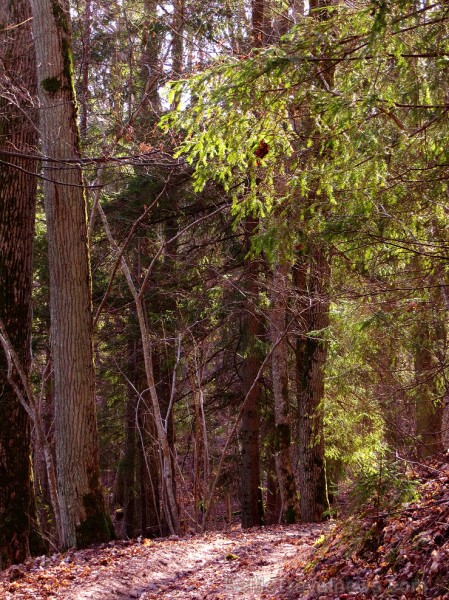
point(85, 65)
point(251, 493)
point(149, 472)
point(312, 283)
point(429, 407)
point(201, 460)
point(17, 210)
point(169, 500)
point(83, 514)
point(178, 39)
point(139, 470)
point(279, 361)
point(128, 465)
point(151, 69)
point(274, 509)
point(251, 505)
point(44, 457)
point(258, 23)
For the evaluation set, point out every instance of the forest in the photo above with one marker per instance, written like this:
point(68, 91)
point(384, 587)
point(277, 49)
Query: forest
point(224, 279)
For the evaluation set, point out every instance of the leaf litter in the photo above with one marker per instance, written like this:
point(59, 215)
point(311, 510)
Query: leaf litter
point(403, 555)
point(233, 563)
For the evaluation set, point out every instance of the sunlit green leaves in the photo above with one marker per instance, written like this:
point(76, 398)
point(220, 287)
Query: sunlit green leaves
point(368, 124)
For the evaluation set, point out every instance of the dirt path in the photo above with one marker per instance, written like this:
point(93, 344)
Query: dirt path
point(215, 566)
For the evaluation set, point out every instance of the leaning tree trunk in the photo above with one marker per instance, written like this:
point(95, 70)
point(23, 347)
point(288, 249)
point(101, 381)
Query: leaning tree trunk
point(83, 515)
point(17, 210)
point(311, 353)
point(279, 361)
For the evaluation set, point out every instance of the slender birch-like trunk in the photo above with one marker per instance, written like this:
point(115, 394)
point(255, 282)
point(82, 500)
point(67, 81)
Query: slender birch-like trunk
point(169, 502)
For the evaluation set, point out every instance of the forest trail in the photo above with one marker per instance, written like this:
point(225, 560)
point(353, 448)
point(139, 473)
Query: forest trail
point(221, 565)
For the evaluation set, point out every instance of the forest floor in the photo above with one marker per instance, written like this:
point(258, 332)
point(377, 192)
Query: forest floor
point(218, 565)
point(401, 553)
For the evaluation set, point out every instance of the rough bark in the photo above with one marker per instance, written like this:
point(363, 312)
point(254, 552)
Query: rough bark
point(273, 513)
point(85, 66)
point(279, 361)
point(140, 465)
point(311, 353)
point(251, 506)
point(429, 405)
point(258, 23)
point(178, 40)
point(312, 280)
point(83, 515)
point(17, 209)
point(44, 451)
point(250, 492)
point(151, 69)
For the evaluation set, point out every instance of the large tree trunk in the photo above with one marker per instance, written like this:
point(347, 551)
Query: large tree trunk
point(429, 405)
point(17, 210)
point(312, 280)
point(251, 494)
point(83, 515)
point(251, 505)
point(282, 434)
point(311, 354)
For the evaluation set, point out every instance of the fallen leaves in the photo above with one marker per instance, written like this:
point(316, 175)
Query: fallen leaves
point(213, 566)
point(404, 556)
